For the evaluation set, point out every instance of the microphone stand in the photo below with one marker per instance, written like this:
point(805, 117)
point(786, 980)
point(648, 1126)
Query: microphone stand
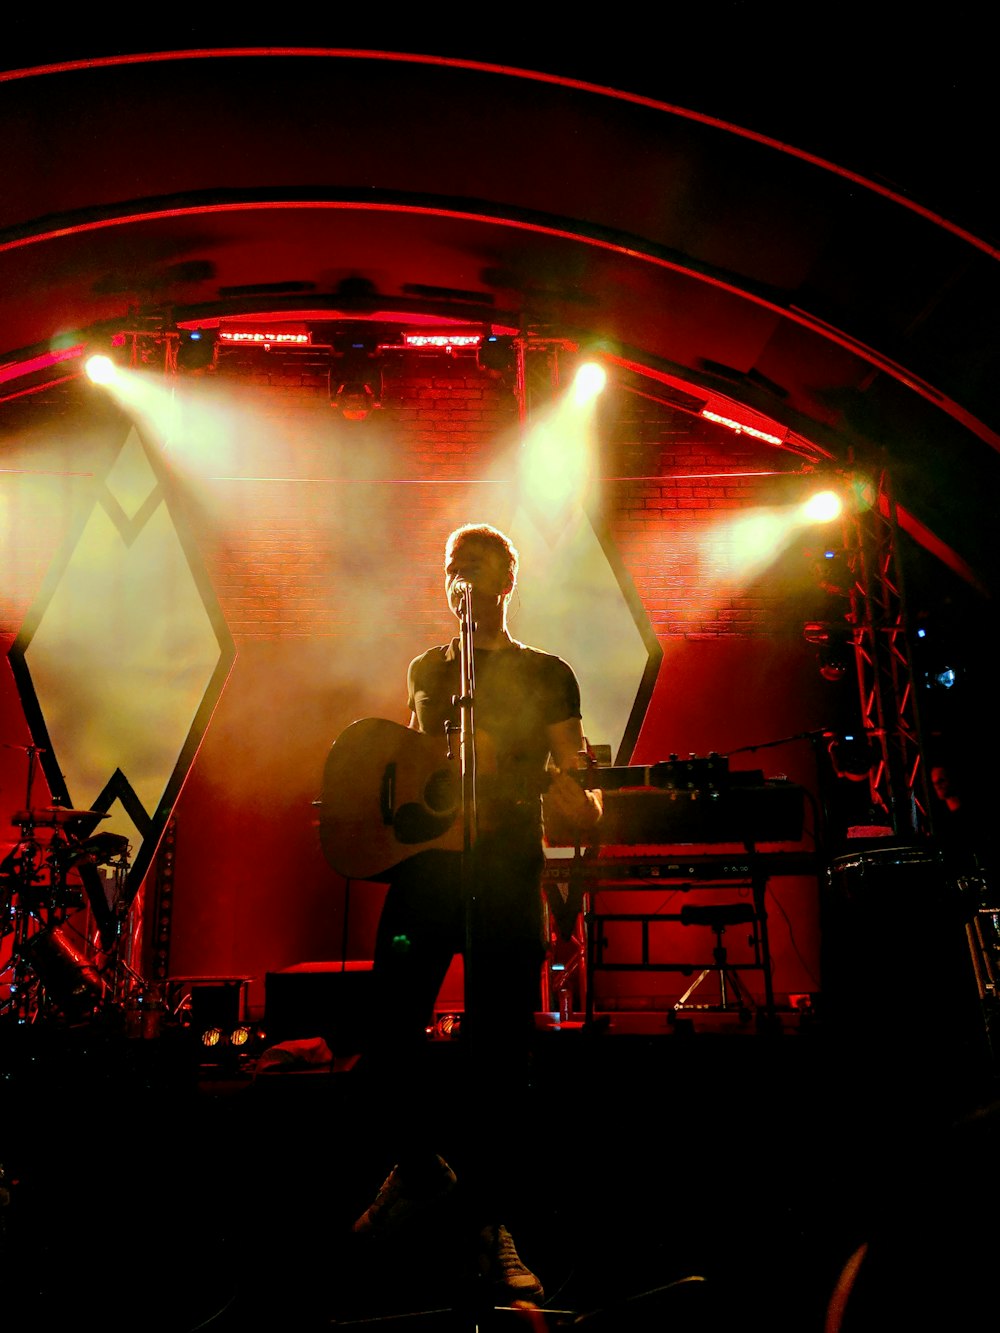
point(467, 755)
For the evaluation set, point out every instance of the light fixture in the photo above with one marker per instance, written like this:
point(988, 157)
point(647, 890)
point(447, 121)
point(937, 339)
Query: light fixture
point(100, 368)
point(834, 662)
point(223, 1048)
point(356, 379)
point(822, 507)
point(588, 382)
point(354, 399)
point(496, 353)
point(741, 427)
point(195, 350)
point(105, 353)
point(816, 631)
point(447, 1026)
point(832, 571)
point(835, 643)
point(852, 756)
point(215, 1004)
point(140, 347)
point(215, 1009)
point(936, 658)
point(944, 679)
point(266, 336)
point(443, 342)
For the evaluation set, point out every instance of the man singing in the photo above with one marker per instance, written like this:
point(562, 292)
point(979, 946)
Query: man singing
point(485, 905)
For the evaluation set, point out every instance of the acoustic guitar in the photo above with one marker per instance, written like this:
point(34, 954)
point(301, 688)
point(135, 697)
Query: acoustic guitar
point(388, 793)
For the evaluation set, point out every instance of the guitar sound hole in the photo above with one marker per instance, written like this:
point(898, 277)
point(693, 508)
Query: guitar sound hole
point(413, 823)
point(439, 793)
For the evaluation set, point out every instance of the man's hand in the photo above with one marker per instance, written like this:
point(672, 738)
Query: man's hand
point(570, 812)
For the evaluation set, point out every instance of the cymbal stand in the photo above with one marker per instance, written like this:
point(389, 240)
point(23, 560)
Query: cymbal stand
point(127, 984)
point(38, 900)
point(102, 861)
point(25, 862)
point(18, 985)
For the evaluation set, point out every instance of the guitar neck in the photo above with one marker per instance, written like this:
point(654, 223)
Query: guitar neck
point(614, 778)
point(691, 774)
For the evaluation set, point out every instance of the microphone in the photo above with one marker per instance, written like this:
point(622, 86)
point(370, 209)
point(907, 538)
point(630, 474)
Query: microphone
point(462, 586)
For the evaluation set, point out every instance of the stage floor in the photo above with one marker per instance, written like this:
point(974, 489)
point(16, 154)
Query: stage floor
point(681, 1179)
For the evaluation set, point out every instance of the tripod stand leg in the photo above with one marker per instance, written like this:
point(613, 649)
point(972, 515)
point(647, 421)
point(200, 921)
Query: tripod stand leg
point(746, 1001)
point(726, 975)
point(691, 989)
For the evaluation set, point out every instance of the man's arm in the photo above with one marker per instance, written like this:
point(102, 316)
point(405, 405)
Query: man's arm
point(571, 811)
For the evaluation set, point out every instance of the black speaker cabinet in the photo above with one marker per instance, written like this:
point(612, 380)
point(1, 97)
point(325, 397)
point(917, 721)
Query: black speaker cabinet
point(328, 1000)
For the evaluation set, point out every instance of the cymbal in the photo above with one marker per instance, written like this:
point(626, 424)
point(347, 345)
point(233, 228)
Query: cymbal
point(53, 815)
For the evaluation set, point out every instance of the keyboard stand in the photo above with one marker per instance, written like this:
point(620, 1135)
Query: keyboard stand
point(588, 876)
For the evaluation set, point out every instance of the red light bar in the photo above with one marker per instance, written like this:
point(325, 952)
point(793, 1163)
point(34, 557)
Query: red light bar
point(741, 427)
point(261, 336)
point(447, 340)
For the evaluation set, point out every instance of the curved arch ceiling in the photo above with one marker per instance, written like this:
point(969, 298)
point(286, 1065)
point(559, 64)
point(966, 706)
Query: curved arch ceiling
point(205, 183)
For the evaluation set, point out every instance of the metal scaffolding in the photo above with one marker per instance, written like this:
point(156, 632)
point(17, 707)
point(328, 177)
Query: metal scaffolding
point(883, 659)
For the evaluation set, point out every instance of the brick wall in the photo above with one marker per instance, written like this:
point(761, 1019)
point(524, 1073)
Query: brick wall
point(311, 507)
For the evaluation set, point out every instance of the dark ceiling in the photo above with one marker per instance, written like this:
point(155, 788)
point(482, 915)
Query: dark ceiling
point(800, 221)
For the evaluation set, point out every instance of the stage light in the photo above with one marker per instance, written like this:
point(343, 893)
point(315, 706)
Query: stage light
point(195, 349)
point(107, 352)
point(836, 647)
point(832, 571)
point(444, 342)
point(356, 379)
point(100, 369)
point(215, 1005)
point(212, 1037)
point(265, 335)
point(588, 382)
point(742, 427)
point(822, 507)
point(834, 662)
point(496, 353)
point(852, 756)
point(354, 400)
point(816, 631)
point(937, 658)
point(446, 1026)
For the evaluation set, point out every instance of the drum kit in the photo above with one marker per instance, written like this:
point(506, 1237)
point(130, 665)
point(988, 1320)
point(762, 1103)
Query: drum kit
point(57, 866)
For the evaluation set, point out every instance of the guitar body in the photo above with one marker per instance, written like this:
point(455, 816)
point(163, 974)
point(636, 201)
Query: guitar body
point(388, 793)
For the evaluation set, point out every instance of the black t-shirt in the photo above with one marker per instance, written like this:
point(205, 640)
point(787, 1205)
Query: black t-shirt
point(519, 692)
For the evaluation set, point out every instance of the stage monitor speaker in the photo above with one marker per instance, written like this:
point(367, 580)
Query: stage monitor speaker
point(320, 999)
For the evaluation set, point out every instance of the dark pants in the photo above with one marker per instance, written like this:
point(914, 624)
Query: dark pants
point(433, 912)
